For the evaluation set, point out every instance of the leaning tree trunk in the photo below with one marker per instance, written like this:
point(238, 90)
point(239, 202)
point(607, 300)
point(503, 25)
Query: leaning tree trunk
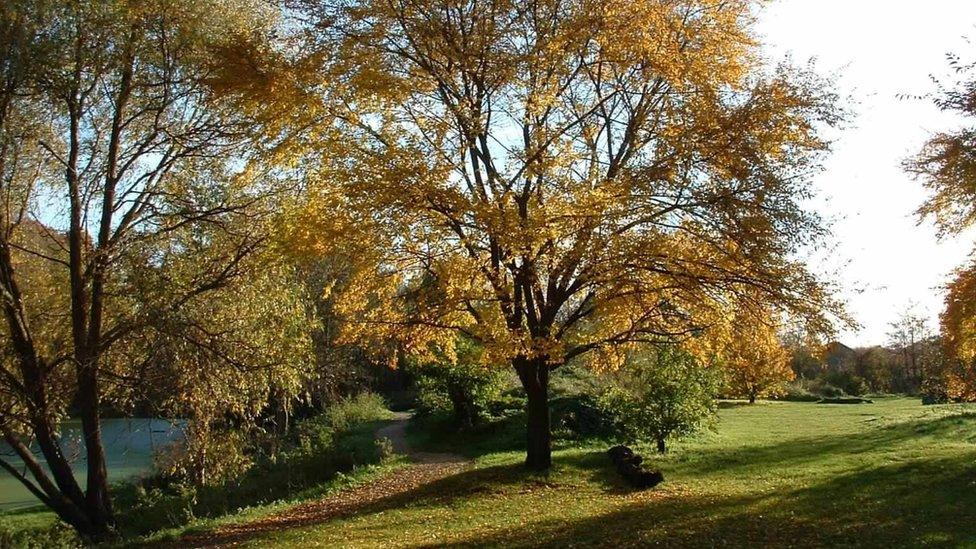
point(97, 497)
point(534, 375)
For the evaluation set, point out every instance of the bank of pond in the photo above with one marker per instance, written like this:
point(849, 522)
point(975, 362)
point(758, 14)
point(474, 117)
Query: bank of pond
point(130, 444)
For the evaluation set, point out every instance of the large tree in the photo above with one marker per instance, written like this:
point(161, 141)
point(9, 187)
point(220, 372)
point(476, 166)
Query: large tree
point(556, 179)
point(116, 161)
point(946, 167)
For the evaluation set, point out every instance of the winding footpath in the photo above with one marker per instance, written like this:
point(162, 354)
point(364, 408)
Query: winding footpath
point(426, 467)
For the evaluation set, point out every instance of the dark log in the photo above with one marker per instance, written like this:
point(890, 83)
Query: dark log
point(629, 467)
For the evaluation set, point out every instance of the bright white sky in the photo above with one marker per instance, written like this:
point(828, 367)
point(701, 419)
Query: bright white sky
point(879, 49)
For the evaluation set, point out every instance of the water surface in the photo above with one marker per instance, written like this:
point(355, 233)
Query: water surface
point(130, 444)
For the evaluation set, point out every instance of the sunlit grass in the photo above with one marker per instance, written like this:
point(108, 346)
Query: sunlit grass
point(893, 473)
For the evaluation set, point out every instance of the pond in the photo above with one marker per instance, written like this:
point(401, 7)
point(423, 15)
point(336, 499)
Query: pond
point(129, 444)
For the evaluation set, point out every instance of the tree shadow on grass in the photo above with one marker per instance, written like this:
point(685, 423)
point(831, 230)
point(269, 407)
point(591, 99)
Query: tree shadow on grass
point(920, 501)
point(752, 459)
point(907, 505)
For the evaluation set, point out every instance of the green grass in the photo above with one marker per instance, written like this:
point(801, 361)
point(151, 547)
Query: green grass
point(343, 481)
point(893, 473)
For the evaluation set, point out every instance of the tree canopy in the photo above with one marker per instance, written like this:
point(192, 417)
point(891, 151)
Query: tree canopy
point(556, 180)
point(125, 213)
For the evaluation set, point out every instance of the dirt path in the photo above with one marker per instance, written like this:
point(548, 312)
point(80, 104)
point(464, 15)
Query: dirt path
point(426, 468)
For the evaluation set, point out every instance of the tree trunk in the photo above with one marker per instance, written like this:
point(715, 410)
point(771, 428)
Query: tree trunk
point(98, 499)
point(661, 446)
point(752, 397)
point(534, 375)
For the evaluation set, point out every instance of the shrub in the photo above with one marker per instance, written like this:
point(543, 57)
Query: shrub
point(510, 403)
point(333, 442)
point(581, 417)
point(463, 388)
point(848, 383)
point(797, 391)
point(660, 394)
point(362, 408)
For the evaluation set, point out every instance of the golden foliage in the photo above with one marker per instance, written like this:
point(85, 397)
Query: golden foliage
point(755, 359)
point(959, 316)
point(552, 179)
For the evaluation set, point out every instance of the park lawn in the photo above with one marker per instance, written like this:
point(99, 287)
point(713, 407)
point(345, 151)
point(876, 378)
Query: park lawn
point(892, 473)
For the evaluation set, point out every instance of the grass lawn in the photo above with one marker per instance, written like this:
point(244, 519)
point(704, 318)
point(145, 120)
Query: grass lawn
point(893, 473)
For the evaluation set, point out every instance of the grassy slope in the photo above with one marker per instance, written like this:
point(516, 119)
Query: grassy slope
point(892, 473)
point(269, 494)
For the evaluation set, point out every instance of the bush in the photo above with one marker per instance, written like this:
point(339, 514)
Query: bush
point(463, 388)
point(814, 390)
point(581, 417)
point(336, 441)
point(796, 391)
point(348, 412)
point(509, 404)
point(662, 393)
point(847, 382)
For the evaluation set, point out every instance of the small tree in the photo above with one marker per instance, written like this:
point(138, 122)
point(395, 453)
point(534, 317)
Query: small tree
point(755, 360)
point(461, 384)
point(662, 393)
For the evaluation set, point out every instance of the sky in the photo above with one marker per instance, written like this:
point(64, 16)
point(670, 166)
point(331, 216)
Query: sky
point(879, 49)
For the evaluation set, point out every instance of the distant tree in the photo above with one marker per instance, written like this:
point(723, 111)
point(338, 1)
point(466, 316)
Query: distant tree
point(662, 393)
point(876, 366)
point(907, 337)
point(755, 360)
point(805, 352)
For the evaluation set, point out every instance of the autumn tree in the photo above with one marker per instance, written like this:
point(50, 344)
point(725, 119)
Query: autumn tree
point(956, 377)
point(946, 167)
point(115, 161)
point(556, 180)
point(755, 360)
